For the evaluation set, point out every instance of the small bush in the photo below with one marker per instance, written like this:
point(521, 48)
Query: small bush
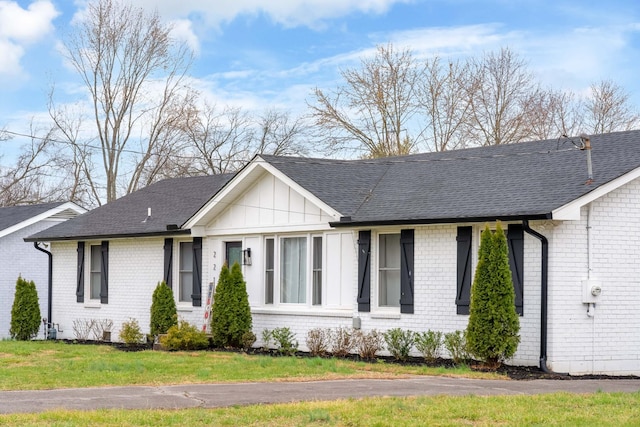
point(429, 344)
point(100, 326)
point(456, 344)
point(399, 342)
point(318, 341)
point(247, 340)
point(267, 337)
point(230, 313)
point(342, 341)
point(163, 310)
point(25, 312)
point(82, 328)
point(285, 341)
point(130, 332)
point(184, 336)
point(368, 343)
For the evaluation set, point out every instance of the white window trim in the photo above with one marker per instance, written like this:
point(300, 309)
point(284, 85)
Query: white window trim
point(308, 304)
point(88, 301)
point(377, 310)
point(180, 305)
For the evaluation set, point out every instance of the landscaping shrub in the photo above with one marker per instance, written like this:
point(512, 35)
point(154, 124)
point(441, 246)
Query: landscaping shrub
point(100, 326)
point(399, 342)
point(492, 332)
point(25, 312)
point(130, 332)
point(163, 310)
point(184, 336)
point(368, 343)
point(247, 340)
point(456, 344)
point(285, 341)
point(230, 314)
point(82, 328)
point(429, 344)
point(267, 337)
point(342, 341)
point(318, 340)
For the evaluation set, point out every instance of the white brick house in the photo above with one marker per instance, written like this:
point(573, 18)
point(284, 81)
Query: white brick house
point(19, 258)
point(387, 243)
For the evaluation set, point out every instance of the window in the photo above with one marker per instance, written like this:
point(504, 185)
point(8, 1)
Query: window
point(515, 242)
point(317, 271)
point(95, 275)
point(389, 270)
point(269, 271)
point(93, 261)
point(186, 272)
point(293, 270)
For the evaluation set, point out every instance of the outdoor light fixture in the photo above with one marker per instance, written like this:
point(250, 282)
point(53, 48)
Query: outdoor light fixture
point(246, 256)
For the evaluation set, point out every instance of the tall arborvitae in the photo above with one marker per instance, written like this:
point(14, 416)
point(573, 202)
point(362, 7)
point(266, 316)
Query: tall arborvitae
point(25, 312)
point(230, 314)
point(492, 333)
point(163, 310)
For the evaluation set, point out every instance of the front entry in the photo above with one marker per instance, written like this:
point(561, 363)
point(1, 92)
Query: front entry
point(233, 253)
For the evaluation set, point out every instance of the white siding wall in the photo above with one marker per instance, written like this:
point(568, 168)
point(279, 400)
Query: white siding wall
point(18, 257)
point(135, 268)
point(609, 342)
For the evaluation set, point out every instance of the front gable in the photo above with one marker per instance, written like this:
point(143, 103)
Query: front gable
point(261, 199)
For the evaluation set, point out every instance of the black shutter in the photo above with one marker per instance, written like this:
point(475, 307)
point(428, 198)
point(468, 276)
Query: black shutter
point(406, 271)
point(464, 273)
point(104, 273)
point(168, 262)
point(80, 270)
point(196, 296)
point(515, 240)
point(364, 270)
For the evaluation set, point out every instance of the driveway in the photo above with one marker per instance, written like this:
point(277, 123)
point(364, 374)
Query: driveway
point(221, 395)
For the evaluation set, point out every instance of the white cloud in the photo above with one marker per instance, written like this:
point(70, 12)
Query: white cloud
point(20, 27)
point(289, 13)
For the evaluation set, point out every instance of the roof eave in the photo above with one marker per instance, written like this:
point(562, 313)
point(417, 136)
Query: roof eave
point(107, 236)
point(427, 221)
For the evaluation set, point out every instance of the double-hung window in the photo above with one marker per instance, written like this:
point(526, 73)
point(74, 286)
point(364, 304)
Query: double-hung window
point(93, 270)
point(389, 270)
point(185, 272)
point(96, 272)
point(293, 270)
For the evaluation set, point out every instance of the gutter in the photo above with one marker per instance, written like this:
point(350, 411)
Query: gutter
point(50, 282)
point(346, 221)
point(107, 236)
point(544, 286)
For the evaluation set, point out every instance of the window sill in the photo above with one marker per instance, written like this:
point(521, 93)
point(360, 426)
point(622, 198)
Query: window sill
point(383, 315)
point(303, 311)
point(184, 308)
point(92, 304)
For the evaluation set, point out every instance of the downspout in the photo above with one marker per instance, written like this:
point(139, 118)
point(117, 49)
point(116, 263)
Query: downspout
point(544, 281)
point(50, 282)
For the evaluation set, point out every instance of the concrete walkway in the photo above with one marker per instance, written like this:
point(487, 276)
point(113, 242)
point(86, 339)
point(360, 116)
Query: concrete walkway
point(220, 395)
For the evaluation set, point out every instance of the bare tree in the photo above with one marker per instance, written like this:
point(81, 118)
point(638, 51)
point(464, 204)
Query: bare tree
point(375, 106)
point(499, 95)
point(444, 101)
point(608, 109)
point(30, 178)
point(134, 73)
point(552, 114)
point(279, 134)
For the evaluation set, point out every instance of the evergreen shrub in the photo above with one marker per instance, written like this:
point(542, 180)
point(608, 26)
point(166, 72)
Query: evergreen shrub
point(25, 312)
point(163, 310)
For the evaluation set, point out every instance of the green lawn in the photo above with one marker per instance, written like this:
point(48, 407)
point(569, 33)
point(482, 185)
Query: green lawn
point(46, 365)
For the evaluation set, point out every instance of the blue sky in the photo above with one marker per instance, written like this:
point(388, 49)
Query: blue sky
point(256, 53)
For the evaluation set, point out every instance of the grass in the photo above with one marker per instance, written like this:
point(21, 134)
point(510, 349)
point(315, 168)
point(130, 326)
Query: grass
point(559, 409)
point(38, 365)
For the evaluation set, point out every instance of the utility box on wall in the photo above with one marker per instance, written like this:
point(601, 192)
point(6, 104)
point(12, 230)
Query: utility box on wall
point(591, 290)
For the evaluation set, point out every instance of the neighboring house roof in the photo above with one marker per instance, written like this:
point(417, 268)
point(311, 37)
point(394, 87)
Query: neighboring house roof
point(14, 218)
point(171, 201)
point(528, 180)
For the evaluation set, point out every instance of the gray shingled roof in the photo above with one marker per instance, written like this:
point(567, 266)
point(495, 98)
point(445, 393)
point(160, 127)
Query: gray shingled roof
point(172, 202)
point(526, 180)
point(12, 215)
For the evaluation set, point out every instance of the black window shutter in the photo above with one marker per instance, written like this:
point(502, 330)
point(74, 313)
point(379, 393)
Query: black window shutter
point(515, 240)
point(80, 281)
point(464, 273)
point(168, 262)
point(406, 271)
point(196, 296)
point(104, 273)
point(364, 270)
